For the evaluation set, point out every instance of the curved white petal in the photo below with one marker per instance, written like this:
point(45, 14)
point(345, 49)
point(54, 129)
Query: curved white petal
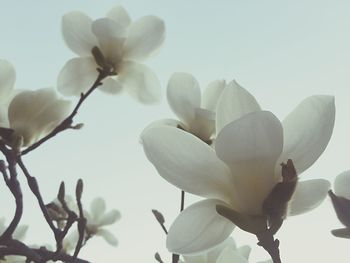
point(108, 236)
point(109, 218)
point(97, 209)
point(120, 15)
point(77, 76)
point(229, 255)
point(244, 251)
point(198, 228)
point(307, 131)
point(233, 103)
point(33, 114)
point(203, 125)
point(184, 96)
point(146, 35)
point(76, 31)
point(213, 254)
point(164, 122)
point(308, 195)
point(251, 146)
point(212, 94)
point(7, 80)
point(140, 82)
point(111, 37)
point(186, 162)
point(201, 258)
point(111, 86)
point(342, 185)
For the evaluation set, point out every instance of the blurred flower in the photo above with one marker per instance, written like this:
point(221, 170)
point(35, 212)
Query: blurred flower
point(226, 252)
point(244, 167)
point(34, 114)
point(19, 234)
point(30, 114)
point(121, 44)
point(97, 218)
point(196, 112)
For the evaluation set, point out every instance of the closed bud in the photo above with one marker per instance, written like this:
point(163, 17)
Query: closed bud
point(79, 189)
point(61, 193)
point(158, 215)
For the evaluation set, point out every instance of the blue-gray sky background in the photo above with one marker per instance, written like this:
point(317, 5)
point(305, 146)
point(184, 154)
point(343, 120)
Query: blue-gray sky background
point(280, 51)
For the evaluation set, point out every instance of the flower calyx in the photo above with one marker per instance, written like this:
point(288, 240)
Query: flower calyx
point(248, 223)
point(106, 66)
point(342, 209)
point(276, 204)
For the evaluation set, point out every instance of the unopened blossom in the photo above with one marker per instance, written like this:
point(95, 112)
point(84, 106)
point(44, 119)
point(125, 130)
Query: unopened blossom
point(244, 167)
point(97, 218)
point(119, 44)
point(19, 234)
point(196, 112)
point(30, 114)
point(226, 252)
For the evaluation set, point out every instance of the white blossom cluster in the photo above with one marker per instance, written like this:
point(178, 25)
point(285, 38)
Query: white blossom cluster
point(224, 147)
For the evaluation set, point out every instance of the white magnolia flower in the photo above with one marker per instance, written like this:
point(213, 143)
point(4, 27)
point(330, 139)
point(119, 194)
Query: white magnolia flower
point(226, 252)
point(123, 44)
point(31, 114)
point(244, 167)
point(342, 185)
point(19, 234)
point(196, 112)
point(97, 218)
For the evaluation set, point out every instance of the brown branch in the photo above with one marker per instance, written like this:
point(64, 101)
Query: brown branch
point(15, 188)
point(37, 255)
point(271, 245)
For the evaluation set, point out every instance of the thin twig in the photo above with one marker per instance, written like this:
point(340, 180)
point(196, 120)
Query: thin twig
point(67, 122)
point(15, 188)
point(81, 219)
point(182, 200)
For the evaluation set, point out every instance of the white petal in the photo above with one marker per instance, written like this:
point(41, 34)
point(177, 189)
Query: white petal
point(308, 195)
point(20, 232)
point(120, 15)
point(97, 208)
point(307, 131)
point(187, 162)
point(76, 31)
point(233, 103)
point(111, 86)
point(164, 122)
point(244, 251)
point(201, 258)
point(108, 236)
point(213, 254)
point(77, 76)
point(110, 218)
point(203, 126)
point(212, 94)
point(140, 82)
point(184, 96)
point(342, 185)
point(111, 37)
point(198, 228)
point(266, 261)
point(35, 113)
point(229, 255)
point(146, 35)
point(7, 80)
point(251, 146)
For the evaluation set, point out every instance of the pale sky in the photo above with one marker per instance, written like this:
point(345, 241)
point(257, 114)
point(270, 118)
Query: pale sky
point(280, 51)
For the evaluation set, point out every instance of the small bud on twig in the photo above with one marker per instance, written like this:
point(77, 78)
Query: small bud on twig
point(79, 189)
point(61, 193)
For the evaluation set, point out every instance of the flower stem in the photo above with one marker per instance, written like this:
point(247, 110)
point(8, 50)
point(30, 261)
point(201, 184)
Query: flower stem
point(271, 245)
